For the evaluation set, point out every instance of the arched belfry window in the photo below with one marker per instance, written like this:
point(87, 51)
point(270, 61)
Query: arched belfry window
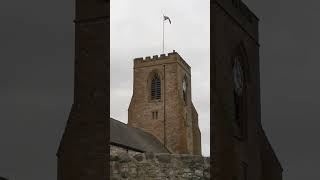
point(155, 87)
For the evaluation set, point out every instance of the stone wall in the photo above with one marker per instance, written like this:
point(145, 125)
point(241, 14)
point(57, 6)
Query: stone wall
point(241, 157)
point(116, 150)
point(150, 166)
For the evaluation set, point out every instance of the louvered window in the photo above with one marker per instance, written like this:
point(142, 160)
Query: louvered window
point(155, 87)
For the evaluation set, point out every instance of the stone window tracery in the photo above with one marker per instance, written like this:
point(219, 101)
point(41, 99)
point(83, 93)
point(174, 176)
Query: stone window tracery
point(156, 87)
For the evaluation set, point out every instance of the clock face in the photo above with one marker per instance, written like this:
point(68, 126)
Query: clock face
point(184, 89)
point(184, 85)
point(237, 76)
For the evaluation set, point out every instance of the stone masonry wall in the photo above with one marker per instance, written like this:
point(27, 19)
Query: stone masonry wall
point(173, 126)
point(150, 166)
point(116, 150)
point(235, 36)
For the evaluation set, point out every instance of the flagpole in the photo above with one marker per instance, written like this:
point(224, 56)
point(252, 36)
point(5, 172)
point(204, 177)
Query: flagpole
point(162, 34)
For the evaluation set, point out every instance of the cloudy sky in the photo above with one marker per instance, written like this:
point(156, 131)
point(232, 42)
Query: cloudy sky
point(136, 31)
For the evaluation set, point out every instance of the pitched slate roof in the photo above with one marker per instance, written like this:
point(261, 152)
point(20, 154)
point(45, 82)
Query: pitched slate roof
point(132, 138)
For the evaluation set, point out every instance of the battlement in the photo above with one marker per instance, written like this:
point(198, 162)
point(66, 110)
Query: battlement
point(173, 56)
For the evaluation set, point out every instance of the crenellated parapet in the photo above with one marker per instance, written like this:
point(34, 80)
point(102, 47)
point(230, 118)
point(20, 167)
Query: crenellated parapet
point(156, 57)
point(172, 57)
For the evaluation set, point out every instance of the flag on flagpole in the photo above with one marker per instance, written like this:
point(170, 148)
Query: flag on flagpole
point(166, 18)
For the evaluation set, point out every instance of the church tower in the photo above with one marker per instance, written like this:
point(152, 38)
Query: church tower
point(161, 103)
point(239, 147)
point(82, 154)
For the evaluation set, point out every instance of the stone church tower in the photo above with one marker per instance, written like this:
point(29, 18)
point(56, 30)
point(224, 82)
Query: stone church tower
point(82, 154)
point(161, 103)
point(240, 148)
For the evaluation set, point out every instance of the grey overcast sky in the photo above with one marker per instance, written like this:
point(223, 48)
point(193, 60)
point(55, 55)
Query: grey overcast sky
point(136, 31)
point(290, 82)
point(36, 75)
